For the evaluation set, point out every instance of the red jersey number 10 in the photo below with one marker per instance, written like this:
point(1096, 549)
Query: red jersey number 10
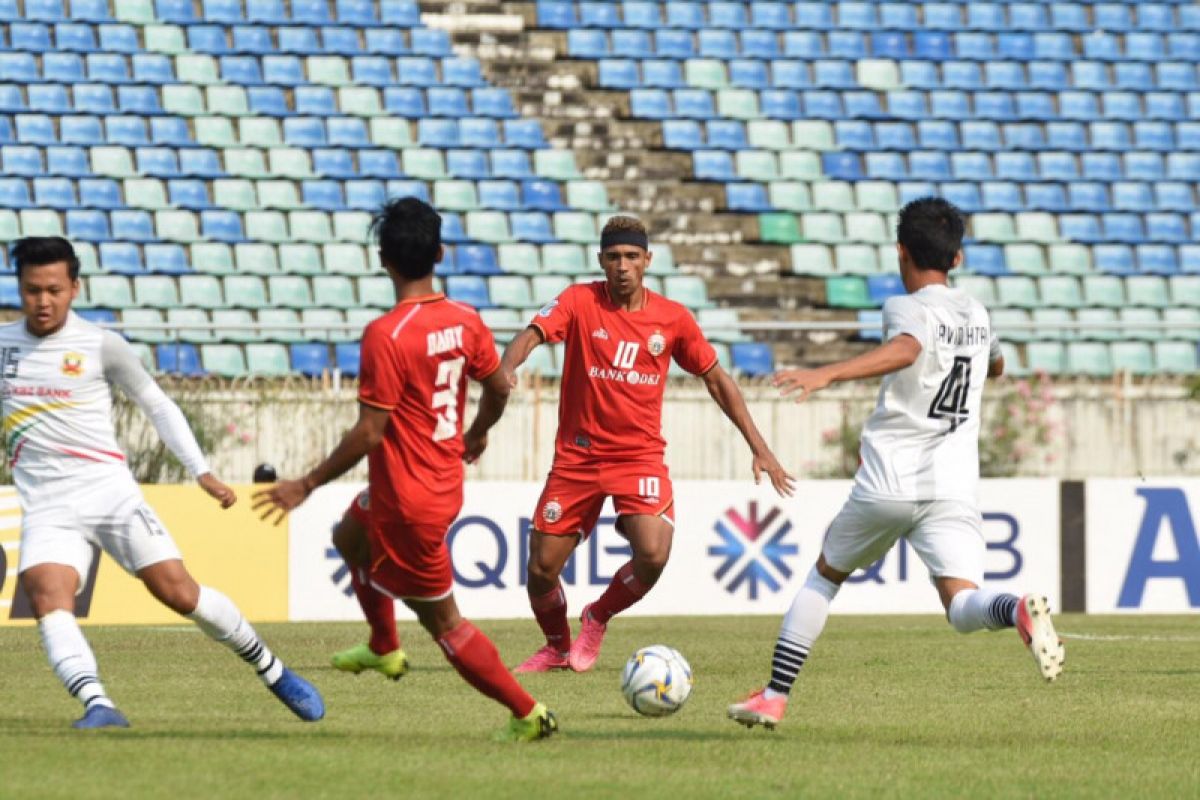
point(445, 398)
point(626, 355)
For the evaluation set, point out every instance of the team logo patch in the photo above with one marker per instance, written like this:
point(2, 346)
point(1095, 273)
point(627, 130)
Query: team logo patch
point(552, 511)
point(600, 333)
point(363, 501)
point(753, 551)
point(633, 377)
point(548, 309)
point(72, 364)
point(656, 344)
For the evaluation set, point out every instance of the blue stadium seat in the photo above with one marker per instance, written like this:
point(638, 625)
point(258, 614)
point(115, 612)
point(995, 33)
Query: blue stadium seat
point(207, 39)
point(887, 166)
point(803, 44)
point(540, 195)
point(188, 193)
point(90, 11)
point(712, 43)
point(681, 134)
point(378, 164)
point(309, 358)
point(325, 195)
point(966, 196)
point(662, 74)
point(477, 259)
point(101, 193)
point(335, 163)
point(850, 45)
point(469, 289)
point(404, 102)
point(754, 359)
point(14, 193)
point(1087, 196)
point(472, 164)
point(200, 163)
point(842, 166)
point(881, 287)
point(221, 226)
point(57, 193)
point(508, 163)
point(152, 68)
point(1157, 259)
point(93, 98)
point(713, 165)
point(747, 197)
point(121, 257)
point(68, 162)
point(555, 14)
point(297, 42)
point(361, 195)
point(985, 259)
point(347, 357)
point(726, 134)
point(130, 225)
point(410, 188)
point(895, 136)
point(782, 104)
point(179, 359)
point(138, 100)
point(930, 45)
point(400, 13)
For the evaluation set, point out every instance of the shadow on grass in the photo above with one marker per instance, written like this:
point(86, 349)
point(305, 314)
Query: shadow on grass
point(61, 729)
point(662, 734)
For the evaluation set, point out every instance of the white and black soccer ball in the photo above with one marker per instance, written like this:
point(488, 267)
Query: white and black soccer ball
point(656, 681)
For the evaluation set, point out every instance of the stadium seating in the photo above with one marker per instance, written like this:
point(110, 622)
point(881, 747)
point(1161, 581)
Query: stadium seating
point(220, 158)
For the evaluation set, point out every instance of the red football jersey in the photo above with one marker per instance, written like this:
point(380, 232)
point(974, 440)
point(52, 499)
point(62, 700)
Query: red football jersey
point(614, 371)
point(415, 362)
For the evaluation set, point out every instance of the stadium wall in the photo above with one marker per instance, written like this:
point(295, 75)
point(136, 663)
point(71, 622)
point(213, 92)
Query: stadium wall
point(1101, 546)
point(1103, 429)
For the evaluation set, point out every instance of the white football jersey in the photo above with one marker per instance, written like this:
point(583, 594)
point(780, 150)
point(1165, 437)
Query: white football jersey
point(922, 440)
point(57, 403)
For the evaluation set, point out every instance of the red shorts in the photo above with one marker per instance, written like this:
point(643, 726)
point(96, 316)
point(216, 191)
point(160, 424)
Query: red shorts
point(574, 495)
point(360, 508)
point(410, 560)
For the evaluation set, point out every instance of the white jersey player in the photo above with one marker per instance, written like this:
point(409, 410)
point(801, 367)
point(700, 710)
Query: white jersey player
point(76, 491)
point(920, 461)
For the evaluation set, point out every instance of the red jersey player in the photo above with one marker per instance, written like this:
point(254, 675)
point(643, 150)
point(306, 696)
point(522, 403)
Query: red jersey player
point(620, 339)
point(412, 395)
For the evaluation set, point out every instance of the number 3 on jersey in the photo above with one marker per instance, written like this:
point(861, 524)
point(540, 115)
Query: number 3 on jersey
point(950, 402)
point(445, 398)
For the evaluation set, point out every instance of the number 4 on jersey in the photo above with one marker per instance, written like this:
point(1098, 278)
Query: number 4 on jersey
point(950, 402)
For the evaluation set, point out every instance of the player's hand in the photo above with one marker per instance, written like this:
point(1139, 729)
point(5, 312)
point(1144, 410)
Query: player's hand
point(473, 446)
point(217, 490)
point(800, 382)
point(511, 376)
point(781, 479)
point(280, 499)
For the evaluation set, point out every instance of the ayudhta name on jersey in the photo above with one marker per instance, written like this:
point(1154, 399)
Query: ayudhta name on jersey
point(964, 335)
point(631, 376)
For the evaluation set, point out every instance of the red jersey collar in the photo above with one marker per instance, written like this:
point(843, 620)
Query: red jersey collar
point(425, 298)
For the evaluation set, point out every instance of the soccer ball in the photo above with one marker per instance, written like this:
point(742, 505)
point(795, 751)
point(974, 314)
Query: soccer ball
point(656, 681)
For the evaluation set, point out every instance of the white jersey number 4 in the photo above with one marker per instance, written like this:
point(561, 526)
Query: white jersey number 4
point(950, 402)
point(445, 399)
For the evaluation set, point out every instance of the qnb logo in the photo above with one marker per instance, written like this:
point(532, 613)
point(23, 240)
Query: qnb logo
point(753, 550)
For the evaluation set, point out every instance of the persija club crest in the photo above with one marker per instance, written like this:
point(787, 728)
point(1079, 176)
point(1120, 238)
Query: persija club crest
point(552, 511)
point(753, 550)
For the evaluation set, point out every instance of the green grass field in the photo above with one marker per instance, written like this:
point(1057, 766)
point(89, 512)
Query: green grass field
point(893, 706)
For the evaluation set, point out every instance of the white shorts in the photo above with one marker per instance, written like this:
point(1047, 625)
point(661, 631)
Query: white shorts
point(946, 534)
point(111, 514)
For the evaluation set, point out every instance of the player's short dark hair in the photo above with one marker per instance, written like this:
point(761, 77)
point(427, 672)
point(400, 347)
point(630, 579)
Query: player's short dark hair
point(624, 224)
point(931, 230)
point(37, 251)
point(409, 233)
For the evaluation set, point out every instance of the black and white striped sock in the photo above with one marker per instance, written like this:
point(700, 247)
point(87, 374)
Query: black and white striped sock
point(1002, 611)
point(218, 617)
point(790, 655)
point(71, 658)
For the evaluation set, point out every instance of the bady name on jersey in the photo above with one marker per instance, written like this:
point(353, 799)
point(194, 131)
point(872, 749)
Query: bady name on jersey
point(974, 334)
point(445, 340)
point(631, 376)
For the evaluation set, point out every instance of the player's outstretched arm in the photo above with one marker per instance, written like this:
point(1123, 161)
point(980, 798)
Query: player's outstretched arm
point(122, 368)
point(517, 351)
point(496, 388)
point(361, 439)
point(897, 354)
point(729, 397)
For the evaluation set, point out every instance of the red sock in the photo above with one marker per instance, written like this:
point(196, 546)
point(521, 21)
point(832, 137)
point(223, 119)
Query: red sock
point(551, 612)
point(380, 612)
point(624, 591)
point(475, 657)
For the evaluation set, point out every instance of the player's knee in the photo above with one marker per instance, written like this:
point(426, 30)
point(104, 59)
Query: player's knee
point(180, 594)
point(543, 571)
point(650, 563)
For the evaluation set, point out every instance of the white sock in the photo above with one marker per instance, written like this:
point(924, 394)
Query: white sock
point(802, 625)
point(218, 617)
point(975, 609)
point(71, 658)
